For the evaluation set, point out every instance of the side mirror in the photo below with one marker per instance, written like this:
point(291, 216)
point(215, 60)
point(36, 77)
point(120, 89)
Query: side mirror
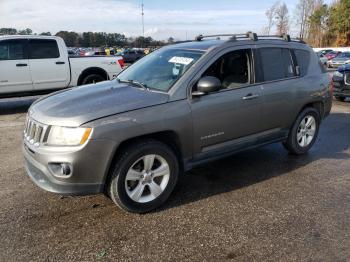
point(207, 85)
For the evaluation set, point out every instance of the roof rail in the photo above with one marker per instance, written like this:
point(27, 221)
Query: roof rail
point(252, 36)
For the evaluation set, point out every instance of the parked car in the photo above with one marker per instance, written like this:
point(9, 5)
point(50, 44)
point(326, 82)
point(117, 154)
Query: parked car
point(325, 51)
point(178, 107)
point(29, 64)
point(130, 56)
point(332, 54)
point(341, 81)
point(322, 58)
point(340, 60)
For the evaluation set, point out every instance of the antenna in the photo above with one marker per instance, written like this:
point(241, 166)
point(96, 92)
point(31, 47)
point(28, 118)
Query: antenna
point(143, 23)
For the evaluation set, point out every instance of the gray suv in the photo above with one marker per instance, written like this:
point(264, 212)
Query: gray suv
point(179, 107)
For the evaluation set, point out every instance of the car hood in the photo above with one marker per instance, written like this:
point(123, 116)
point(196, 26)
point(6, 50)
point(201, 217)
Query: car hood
point(79, 105)
point(344, 68)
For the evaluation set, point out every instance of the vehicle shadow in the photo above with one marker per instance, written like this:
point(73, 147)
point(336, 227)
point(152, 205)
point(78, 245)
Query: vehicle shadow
point(254, 166)
point(16, 105)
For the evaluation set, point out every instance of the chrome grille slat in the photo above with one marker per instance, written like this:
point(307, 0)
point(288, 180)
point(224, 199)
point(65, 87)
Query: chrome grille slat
point(34, 132)
point(347, 79)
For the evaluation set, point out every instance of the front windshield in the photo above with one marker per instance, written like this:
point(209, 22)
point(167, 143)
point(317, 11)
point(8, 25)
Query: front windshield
point(161, 69)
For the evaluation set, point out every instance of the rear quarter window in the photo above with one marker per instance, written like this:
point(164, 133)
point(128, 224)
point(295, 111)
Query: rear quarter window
point(303, 60)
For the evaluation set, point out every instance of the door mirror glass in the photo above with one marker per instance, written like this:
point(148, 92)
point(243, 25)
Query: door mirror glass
point(207, 85)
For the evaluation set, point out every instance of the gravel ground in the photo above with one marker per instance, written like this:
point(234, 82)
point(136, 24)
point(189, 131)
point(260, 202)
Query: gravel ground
point(262, 204)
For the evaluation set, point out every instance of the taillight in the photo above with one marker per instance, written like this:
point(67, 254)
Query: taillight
point(121, 63)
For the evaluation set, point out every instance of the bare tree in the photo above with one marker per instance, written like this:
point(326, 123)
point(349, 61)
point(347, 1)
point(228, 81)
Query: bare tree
point(282, 19)
point(270, 15)
point(304, 9)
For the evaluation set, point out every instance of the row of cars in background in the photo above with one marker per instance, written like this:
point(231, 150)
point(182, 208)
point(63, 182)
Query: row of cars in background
point(129, 55)
point(340, 60)
point(333, 58)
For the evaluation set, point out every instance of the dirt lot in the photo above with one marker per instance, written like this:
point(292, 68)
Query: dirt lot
point(261, 204)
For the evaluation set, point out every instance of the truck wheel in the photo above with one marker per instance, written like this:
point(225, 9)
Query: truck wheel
point(92, 79)
point(143, 177)
point(304, 132)
point(340, 98)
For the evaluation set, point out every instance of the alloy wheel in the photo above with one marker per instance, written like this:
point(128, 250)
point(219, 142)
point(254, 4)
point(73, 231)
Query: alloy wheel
point(147, 178)
point(306, 131)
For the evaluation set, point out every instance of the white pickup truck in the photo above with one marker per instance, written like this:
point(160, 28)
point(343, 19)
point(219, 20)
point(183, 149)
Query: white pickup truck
point(33, 64)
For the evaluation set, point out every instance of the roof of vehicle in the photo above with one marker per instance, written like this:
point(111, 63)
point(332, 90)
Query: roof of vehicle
point(199, 45)
point(27, 36)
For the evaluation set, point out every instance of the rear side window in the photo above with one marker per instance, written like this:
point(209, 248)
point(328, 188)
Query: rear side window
point(43, 49)
point(303, 60)
point(12, 50)
point(276, 63)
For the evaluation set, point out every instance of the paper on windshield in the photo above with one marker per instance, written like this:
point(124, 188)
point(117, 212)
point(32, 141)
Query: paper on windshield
point(181, 60)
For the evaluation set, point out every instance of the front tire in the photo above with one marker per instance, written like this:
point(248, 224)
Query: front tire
point(144, 176)
point(304, 131)
point(340, 98)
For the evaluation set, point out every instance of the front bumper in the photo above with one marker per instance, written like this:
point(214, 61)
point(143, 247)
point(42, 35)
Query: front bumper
point(341, 89)
point(89, 167)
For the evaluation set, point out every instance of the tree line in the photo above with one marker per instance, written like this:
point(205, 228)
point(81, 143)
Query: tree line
point(94, 39)
point(317, 23)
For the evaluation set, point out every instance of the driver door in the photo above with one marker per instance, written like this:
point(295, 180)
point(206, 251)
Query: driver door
point(231, 116)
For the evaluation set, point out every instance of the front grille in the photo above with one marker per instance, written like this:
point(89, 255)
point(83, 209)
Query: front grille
point(347, 79)
point(34, 132)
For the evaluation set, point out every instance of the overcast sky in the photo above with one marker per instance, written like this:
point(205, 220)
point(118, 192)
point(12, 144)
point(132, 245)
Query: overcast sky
point(163, 18)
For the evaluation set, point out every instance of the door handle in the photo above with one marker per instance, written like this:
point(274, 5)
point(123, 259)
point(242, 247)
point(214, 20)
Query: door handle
point(19, 65)
point(250, 97)
point(60, 63)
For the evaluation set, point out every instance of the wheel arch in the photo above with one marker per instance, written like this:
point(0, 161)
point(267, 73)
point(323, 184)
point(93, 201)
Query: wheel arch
point(92, 70)
point(168, 137)
point(318, 105)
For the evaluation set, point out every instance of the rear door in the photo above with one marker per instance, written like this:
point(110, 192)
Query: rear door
point(278, 81)
point(14, 67)
point(48, 65)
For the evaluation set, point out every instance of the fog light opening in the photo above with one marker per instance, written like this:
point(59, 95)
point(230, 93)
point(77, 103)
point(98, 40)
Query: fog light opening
point(61, 169)
point(65, 169)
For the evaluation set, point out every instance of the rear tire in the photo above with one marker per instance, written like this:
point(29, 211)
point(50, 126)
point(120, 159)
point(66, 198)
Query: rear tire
point(340, 98)
point(143, 176)
point(92, 79)
point(304, 131)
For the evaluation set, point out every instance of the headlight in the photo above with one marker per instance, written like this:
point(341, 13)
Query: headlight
point(338, 74)
point(68, 136)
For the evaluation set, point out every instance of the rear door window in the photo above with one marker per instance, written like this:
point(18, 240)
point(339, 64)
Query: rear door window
point(276, 63)
point(303, 60)
point(13, 49)
point(43, 49)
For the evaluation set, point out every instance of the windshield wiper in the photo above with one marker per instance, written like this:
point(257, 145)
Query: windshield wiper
point(134, 82)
